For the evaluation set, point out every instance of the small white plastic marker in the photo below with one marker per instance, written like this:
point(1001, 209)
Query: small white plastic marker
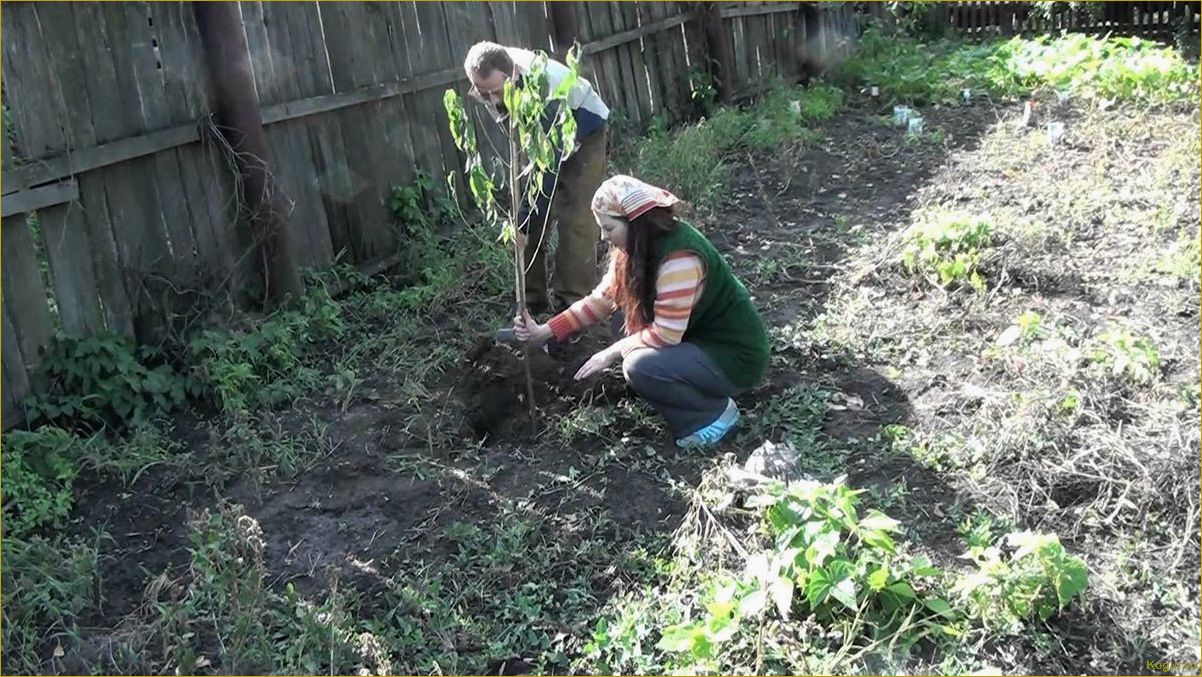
point(1055, 132)
point(876, 91)
point(901, 115)
point(966, 94)
point(914, 126)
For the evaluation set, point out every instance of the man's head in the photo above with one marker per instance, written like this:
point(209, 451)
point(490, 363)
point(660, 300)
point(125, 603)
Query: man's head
point(488, 66)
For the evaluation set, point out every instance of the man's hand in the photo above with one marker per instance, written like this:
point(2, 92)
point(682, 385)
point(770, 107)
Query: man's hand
point(529, 331)
point(598, 362)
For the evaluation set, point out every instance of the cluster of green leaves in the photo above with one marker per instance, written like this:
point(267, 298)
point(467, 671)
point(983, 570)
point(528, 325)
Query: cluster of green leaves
point(541, 128)
point(106, 380)
point(825, 560)
point(1115, 68)
point(1127, 355)
point(948, 246)
point(1036, 580)
point(40, 468)
point(266, 366)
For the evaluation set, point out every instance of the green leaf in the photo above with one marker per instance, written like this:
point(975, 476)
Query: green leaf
point(877, 579)
point(902, 589)
point(782, 595)
point(878, 540)
point(939, 606)
point(1070, 579)
point(680, 638)
point(845, 592)
point(753, 604)
point(819, 587)
point(878, 521)
point(823, 547)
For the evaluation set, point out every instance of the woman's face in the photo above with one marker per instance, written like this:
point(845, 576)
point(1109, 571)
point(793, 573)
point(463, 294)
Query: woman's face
point(613, 229)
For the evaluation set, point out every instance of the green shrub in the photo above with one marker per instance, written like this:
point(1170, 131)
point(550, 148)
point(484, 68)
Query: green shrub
point(105, 380)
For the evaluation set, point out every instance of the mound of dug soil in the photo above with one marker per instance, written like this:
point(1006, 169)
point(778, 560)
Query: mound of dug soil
point(494, 381)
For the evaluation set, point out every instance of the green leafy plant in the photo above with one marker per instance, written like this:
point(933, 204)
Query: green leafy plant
point(949, 247)
point(703, 91)
point(105, 380)
point(265, 365)
point(1128, 355)
point(40, 468)
point(1035, 581)
point(827, 560)
point(1031, 325)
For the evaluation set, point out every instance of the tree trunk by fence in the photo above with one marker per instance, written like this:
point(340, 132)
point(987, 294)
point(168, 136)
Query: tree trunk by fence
point(236, 107)
point(720, 58)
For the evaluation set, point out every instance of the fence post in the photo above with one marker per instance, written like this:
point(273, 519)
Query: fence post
point(236, 104)
point(564, 27)
point(719, 53)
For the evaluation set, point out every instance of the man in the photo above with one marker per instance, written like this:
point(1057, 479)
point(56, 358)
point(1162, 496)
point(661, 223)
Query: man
point(565, 196)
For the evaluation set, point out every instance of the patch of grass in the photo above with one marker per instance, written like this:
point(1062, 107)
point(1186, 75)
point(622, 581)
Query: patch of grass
point(584, 422)
point(224, 616)
point(50, 583)
point(796, 416)
point(937, 452)
point(1183, 259)
point(129, 454)
point(693, 161)
point(1116, 68)
point(949, 247)
point(265, 451)
point(267, 364)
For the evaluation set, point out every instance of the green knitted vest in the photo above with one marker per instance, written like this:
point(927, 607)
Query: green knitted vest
point(724, 323)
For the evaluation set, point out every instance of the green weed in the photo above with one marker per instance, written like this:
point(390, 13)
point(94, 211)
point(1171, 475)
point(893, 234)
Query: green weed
point(827, 560)
point(1036, 580)
point(49, 584)
point(1126, 355)
point(949, 247)
point(40, 468)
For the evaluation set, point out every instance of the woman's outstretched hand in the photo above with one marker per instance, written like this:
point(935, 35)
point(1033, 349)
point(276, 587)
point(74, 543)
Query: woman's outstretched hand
point(529, 331)
point(598, 362)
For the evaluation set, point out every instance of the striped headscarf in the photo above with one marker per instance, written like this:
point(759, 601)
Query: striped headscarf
point(626, 196)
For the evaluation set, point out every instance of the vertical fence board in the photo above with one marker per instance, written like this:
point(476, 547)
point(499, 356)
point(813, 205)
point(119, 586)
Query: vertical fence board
point(24, 296)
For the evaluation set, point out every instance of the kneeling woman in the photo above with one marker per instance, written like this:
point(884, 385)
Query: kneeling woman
point(693, 337)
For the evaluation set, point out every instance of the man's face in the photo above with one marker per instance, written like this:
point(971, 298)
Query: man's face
point(490, 89)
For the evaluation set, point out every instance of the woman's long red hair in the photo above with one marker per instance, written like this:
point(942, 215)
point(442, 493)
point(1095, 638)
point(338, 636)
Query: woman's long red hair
point(633, 291)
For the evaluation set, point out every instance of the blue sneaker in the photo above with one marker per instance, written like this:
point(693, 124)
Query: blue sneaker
point(714, 432)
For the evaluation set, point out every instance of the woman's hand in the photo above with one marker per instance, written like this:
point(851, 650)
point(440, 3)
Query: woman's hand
point(529, 331)
point(598, 362)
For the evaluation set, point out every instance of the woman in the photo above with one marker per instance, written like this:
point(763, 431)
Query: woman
point(693, 337)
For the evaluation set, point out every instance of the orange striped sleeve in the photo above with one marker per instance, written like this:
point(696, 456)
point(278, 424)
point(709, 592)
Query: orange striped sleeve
point(586, 312)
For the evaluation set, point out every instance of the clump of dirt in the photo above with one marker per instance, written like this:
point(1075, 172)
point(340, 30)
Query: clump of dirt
point(495, 402)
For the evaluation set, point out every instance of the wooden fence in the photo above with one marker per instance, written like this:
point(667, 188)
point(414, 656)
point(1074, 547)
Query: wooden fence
point(111, 144)
point(1152, 19)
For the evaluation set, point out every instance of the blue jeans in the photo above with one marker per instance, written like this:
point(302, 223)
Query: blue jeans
point(680, 382)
